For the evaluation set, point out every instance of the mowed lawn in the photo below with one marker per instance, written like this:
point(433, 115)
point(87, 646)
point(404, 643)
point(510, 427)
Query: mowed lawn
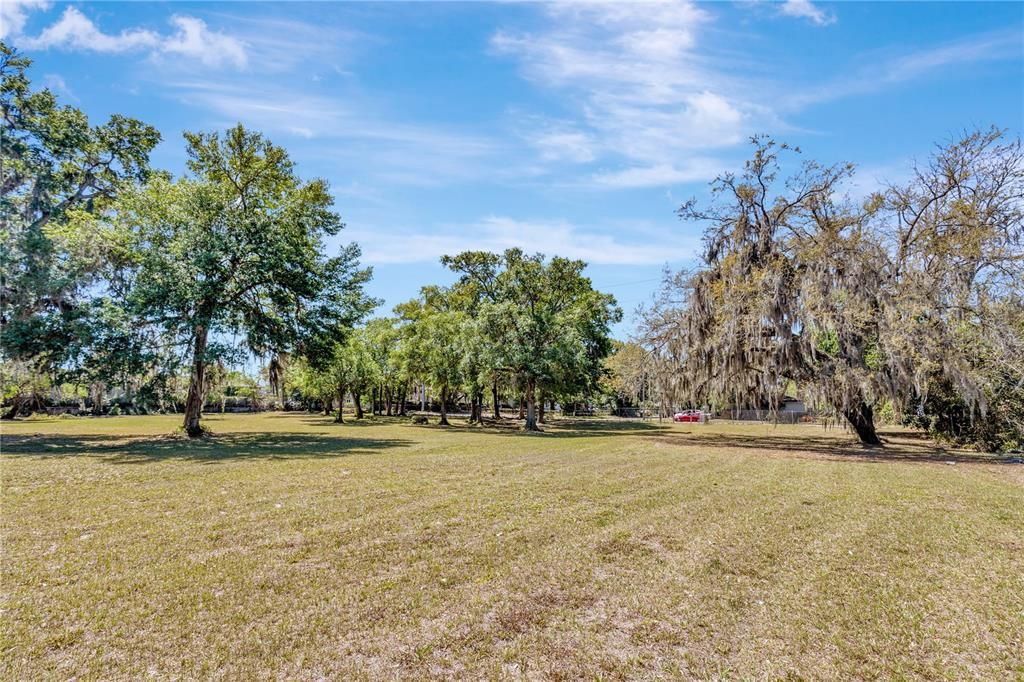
point(290, 547)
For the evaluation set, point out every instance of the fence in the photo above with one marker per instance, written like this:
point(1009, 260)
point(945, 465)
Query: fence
point(779, 417)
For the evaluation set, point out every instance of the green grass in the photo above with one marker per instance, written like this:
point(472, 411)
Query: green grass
point(290, 547)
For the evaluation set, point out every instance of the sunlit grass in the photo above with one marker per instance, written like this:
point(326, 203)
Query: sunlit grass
point(290, 547)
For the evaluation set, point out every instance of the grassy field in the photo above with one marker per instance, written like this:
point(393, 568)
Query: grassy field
point(290, 547)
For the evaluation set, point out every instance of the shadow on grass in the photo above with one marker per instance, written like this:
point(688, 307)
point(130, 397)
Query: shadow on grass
point(897, 446)
point(217, 448)
point(557, 428)
point(320, 419)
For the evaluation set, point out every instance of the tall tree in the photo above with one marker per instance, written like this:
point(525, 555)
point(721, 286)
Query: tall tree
point(236, 250)
point(854, 304)
point(59, 173)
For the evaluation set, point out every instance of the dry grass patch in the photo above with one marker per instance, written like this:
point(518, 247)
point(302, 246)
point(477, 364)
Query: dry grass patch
point(290, 547)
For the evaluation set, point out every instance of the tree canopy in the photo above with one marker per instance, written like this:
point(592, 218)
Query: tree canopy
point(60, 175)
point(918, 287)
point(236, 248)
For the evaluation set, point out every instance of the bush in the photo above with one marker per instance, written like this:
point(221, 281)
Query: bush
point(947, 417)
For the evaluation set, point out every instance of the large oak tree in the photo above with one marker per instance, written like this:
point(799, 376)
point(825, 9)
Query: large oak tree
point(918, 287)
point(58, 175)
point(234, 253)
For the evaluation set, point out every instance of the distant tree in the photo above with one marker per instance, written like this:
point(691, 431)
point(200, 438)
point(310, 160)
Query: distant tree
point(383, 339)
point(546, 324)
point(236, 249)
point(628, 372)
point(351, 370)
point(475, 366)
point(433, 339)
point(118, 353)
point(22, 385)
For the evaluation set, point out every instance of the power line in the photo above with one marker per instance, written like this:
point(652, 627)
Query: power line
point(626, 284)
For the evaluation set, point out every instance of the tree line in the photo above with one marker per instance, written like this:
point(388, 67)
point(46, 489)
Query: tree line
point(513, 325)
point(118, 274)
point(907, 303)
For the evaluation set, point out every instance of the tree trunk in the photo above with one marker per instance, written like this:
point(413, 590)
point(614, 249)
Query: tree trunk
point(531, 407)
point(357, 401)
point(401, 398)
point(478, 408)
point(540, 411)
point(196, 384)
point(341, 406)
point(494, 397)
point(98, 393)
point(327, 404)
point(444, 407)
point(16, 404)
point(861, 418)
point(522, 406)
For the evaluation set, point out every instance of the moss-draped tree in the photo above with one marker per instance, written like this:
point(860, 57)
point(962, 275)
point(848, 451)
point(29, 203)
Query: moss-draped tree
point(918, 286)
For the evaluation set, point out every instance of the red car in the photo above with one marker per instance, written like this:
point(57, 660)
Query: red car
point(688, 416)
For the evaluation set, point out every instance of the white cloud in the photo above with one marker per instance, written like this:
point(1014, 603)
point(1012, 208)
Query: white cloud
point(14, 14)
point(694, 170)
point(195, 40)
point(75, 31)
point(657, 44)
point(497, 233)
point(192, 39)
point(657, 86)
point(561, 143)
point(646, 97)
point(805, 9)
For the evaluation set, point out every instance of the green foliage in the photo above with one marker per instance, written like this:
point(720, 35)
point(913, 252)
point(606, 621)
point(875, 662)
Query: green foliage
point(238, 248)
point(60, 175)
point(236, 251)
point(546, 326)
point(435, 347)
point(827, 342)
point(628, 373)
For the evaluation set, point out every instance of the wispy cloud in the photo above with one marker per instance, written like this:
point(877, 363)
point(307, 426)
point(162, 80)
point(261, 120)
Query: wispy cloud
point(497, 233)
point(660, 101)
point(805, 9)
point(691, 170)
point(345, 129)
point(647, 96)
point(58, 85)
point(887, 72)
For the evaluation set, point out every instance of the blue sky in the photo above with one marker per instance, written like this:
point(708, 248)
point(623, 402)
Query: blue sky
point(567, 128)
